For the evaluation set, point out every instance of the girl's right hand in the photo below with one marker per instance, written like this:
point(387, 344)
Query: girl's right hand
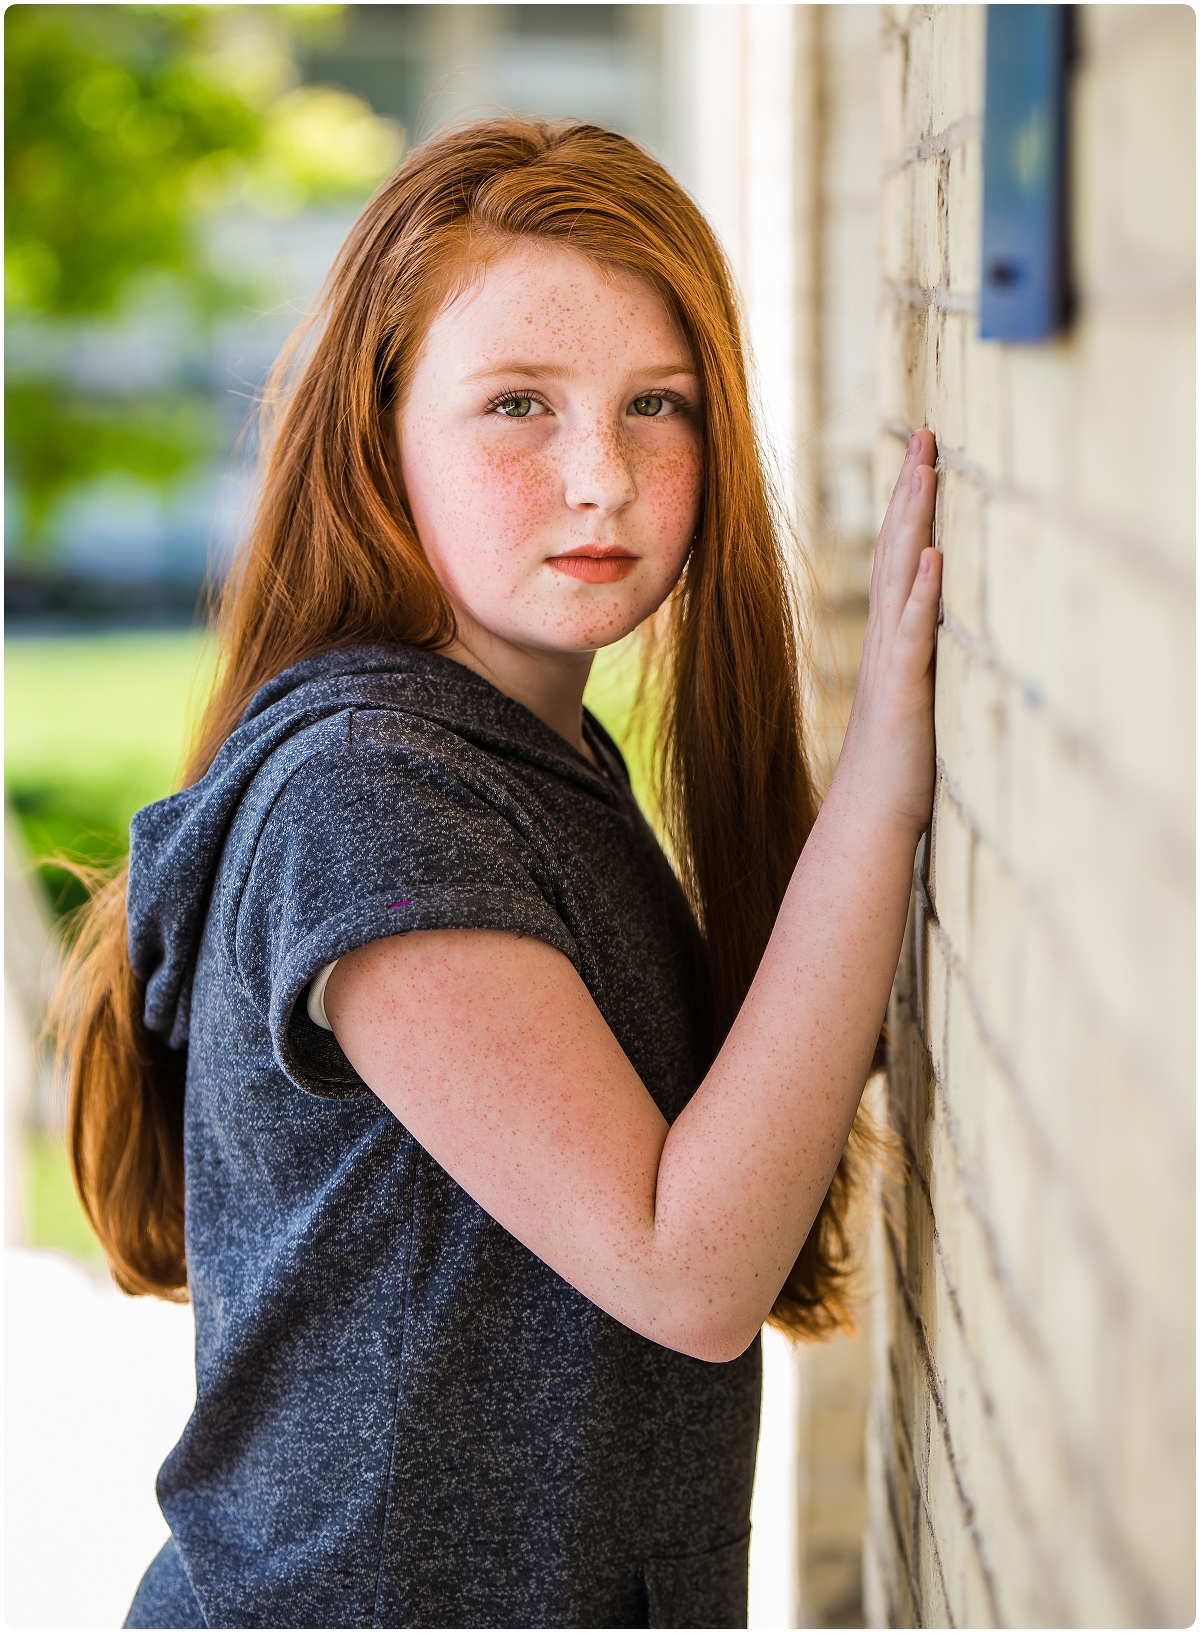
point(888, 751)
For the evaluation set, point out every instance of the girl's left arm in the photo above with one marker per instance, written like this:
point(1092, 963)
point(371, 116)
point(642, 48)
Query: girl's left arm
point(491, 1051)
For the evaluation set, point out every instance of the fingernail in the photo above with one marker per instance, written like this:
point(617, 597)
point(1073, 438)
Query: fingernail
point(914, 487)
point(924, 567)
point(914, 442)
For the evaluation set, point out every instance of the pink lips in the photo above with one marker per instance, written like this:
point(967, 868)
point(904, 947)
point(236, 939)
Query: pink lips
point(595, 565)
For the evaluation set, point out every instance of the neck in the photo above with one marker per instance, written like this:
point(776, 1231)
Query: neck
point(549, 684)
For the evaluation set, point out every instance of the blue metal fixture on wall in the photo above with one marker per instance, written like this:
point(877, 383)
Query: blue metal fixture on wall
point(1023, 291)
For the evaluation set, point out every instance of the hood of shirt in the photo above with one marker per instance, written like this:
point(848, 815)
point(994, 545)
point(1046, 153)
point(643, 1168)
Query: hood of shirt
point(176, 844)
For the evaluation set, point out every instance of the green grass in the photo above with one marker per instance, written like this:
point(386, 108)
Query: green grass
point(53, 1215)
point(95, 727)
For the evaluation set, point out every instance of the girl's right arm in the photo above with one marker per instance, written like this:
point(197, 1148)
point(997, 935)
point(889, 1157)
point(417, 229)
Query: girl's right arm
point(492, 1053)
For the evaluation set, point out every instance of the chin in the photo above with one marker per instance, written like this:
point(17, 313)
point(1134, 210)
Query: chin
point(597, 619)
point(601, 627)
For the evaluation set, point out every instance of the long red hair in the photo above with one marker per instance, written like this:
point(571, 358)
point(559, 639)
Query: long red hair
point(333, 558)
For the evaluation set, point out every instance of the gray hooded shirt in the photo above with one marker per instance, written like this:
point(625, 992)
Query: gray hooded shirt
point(404, 1418)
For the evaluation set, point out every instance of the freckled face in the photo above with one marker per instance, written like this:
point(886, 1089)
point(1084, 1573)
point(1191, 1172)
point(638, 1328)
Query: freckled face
point(551, 449)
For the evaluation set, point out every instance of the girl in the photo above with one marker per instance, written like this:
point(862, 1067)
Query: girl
point(499, 1142)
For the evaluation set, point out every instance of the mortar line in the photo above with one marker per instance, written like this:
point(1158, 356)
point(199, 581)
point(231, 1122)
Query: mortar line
point(1077, 1464)
point(1092, 1007)
point(1075, 745)
point(967, 1504)
point(1023, 1513)
point(939, 146)
point(1124, 547)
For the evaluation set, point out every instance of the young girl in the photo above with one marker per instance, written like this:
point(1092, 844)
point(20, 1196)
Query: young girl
point(499, 1141)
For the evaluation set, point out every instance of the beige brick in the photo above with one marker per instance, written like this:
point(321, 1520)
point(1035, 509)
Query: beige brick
point(1023, 1420)
point(1156, 1495)
point(959, 533)
point(927, 225)
point(1134, 141)
point(976, 757)
point(964, 215)
point(948, 1199)
point(891, 78)
point(1111, 1131)
point(1013, 587)
point(988, 440)
point(896, 258)
point(1082, 1333)
point(1127, 1140)
point(1106, 619)
point(917, 81)
point(899, 325)
point(1102, 1594)
point(950, 871)
point(956, 89)
point(1113, 893)
point(1044, 386)
point(962, 1253)
point(1137, 415)
point(942, 381)
point(935, 1611)
point(946, 1513)
point(977, 1603)
point(951, 658)
point(1015, 1181)
point(997, 946)
point(1044, 1054)
point(1018, 1542)
point(966, 1076)
point(935, 998)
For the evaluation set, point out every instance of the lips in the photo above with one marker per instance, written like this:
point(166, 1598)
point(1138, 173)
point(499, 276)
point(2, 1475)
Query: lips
point(595, 565)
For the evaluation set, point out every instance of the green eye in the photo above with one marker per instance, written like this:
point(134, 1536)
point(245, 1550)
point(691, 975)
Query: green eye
point(515, 408)
point(649, 405)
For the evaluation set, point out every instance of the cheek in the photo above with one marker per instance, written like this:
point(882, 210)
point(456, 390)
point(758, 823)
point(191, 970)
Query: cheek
point(671, 487)
point(513, 486)
point(483, 492)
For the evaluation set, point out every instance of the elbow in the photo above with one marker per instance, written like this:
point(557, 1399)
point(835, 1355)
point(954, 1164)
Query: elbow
point(706, 1338)
point(723, 1347)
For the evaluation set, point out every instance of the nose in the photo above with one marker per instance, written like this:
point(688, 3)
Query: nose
point(597, 473)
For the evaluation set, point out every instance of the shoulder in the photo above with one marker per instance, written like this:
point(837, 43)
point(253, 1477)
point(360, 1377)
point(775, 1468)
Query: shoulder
point(358, 753)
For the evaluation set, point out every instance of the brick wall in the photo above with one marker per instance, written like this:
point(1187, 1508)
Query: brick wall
point(1031, 1449)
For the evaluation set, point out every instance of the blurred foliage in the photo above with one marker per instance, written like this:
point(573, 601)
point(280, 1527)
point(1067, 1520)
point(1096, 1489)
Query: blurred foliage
point(125, 126)
point(58, 438)
point(108, 110)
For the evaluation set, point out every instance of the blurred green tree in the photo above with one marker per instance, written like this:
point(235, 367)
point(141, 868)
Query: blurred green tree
point(107, 112)
point(124, 126)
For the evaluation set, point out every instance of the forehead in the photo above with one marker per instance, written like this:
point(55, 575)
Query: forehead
point(551, 299)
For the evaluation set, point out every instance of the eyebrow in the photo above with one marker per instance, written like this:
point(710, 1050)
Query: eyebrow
point(559, 371)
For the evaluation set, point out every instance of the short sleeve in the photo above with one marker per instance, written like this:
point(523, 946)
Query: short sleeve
point(382, 830)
